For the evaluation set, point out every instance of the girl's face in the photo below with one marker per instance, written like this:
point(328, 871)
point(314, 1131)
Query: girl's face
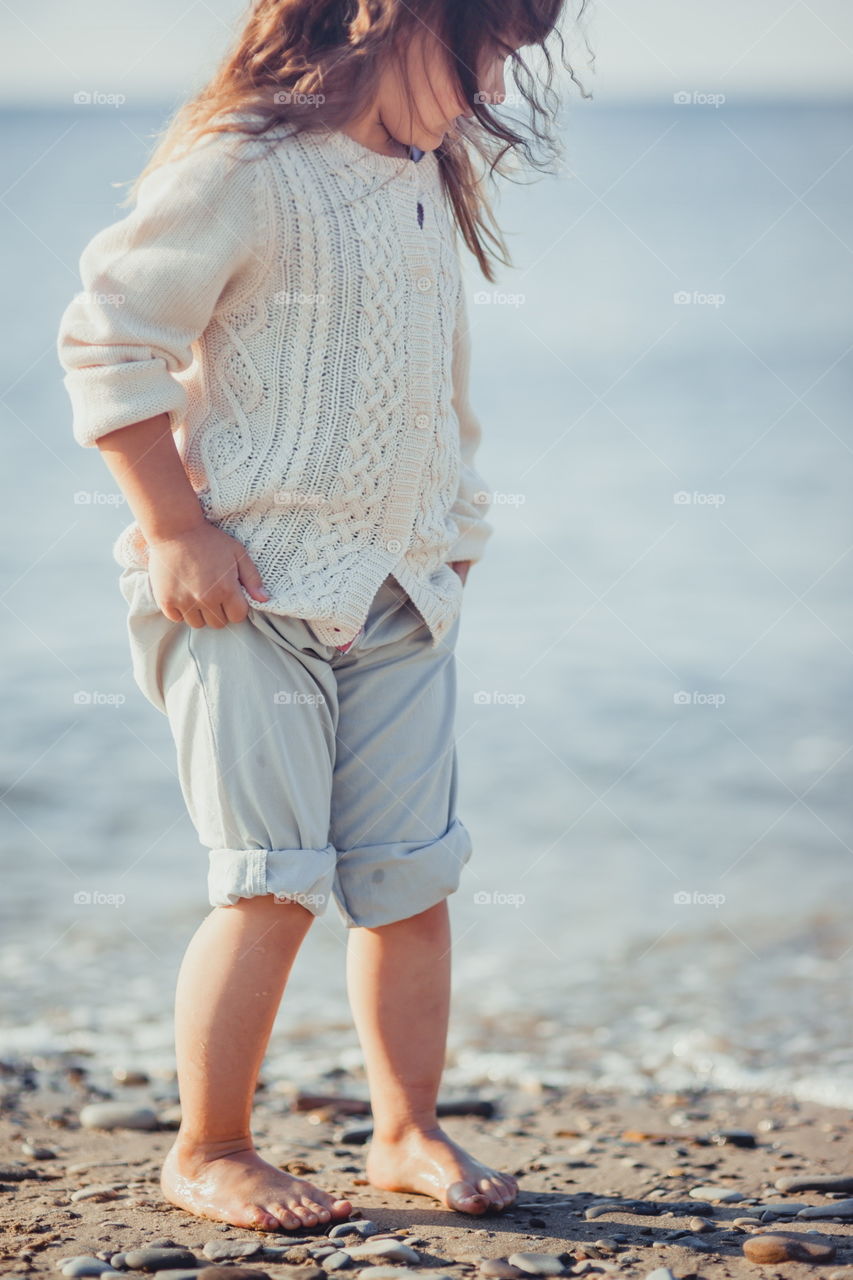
point(422, 110)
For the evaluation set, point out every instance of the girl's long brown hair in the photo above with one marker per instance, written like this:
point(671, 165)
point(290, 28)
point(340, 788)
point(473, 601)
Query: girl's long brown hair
point(315, 63)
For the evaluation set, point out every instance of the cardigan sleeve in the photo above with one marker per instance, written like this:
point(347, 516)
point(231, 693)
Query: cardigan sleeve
point(473, 498)
point(151, 283)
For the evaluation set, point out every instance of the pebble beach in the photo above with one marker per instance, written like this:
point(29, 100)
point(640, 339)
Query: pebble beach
point(666, 1185)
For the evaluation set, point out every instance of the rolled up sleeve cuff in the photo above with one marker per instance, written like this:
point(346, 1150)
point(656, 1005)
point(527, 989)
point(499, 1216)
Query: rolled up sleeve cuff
point(106, 397)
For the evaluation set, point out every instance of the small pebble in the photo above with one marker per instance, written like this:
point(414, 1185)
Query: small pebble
point(734, 1138)
point(17, 1171)
point(337, 1261)
point(787, 1247)
point(389, 1250)
point(127, 1076)
point(500, 1269)
point(726, 1194)
point(117, 1115)
point(152, 1259)
point(84, 1265)
point(700, 1224)
point(661, 1273)
point(38, 1153)
point(537, 1264)
point(358, 1227)
point(840, 1209)
point(816, 1182)
point(222, 1250)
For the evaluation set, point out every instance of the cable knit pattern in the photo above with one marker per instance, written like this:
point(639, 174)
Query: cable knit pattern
point(308, 338)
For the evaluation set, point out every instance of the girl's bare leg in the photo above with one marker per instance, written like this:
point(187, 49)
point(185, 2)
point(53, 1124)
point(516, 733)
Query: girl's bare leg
point(398, 977)
point(229, 989)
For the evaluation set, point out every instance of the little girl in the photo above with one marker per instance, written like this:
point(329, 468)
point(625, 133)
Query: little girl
point(271, 352)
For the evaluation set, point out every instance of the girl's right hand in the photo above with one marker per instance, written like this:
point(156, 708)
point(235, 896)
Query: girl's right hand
point(196, 576)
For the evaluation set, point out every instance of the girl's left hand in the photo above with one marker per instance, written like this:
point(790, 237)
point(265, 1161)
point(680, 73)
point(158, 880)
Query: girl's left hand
point(461, 567)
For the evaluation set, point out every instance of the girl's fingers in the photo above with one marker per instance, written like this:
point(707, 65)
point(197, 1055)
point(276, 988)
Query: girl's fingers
point(214, 618)
point(250, 576)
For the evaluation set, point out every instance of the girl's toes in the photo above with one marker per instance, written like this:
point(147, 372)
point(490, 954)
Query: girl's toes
point(319, 1210)
point(465, 1197)
point(305, 1215)
point(255, 1215)
point(286, 1219)
point(341, 1208)
point(511, 1186)
point(495, 1190)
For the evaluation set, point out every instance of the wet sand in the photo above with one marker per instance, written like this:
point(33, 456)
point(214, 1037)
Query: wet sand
point(569, 1148)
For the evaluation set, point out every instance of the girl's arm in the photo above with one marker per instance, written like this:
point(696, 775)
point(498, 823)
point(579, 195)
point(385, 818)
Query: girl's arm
point(152, 282)
point(148, 468)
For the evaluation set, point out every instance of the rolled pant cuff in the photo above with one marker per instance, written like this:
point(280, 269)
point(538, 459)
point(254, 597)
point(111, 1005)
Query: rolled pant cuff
point(383, 883)
point(304, 874)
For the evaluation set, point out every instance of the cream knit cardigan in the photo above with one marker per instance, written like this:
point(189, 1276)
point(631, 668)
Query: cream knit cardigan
point(308, 339)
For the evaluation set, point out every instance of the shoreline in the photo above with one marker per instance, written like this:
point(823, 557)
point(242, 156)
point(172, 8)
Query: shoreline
point(570, 1148)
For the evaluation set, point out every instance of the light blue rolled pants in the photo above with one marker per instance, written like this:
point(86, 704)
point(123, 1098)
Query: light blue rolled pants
point(307, 771)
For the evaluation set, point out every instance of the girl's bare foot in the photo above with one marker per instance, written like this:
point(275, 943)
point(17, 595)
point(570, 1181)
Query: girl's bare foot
point(238, 1187)
point(427, 1160)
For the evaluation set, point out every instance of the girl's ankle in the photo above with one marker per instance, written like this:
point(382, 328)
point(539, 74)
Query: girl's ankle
point(199, 1150)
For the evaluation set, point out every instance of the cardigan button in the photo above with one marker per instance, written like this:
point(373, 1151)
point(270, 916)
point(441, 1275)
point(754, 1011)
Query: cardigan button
point(422, 420)
point(424, 283)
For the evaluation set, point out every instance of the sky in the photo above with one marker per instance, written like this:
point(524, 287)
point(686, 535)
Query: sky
point(162, 50)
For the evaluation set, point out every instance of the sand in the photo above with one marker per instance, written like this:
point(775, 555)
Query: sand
point(568, 1149)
